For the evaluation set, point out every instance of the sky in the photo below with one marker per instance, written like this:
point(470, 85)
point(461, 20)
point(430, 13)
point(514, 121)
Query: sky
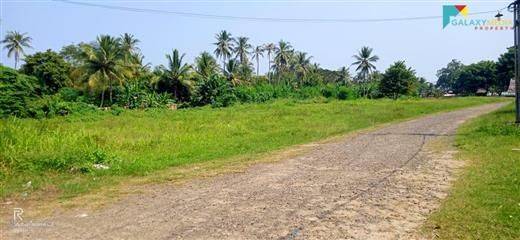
point(423, 44)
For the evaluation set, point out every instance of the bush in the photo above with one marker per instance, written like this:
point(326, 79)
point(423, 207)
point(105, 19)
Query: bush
point(49, 68)
point(265, 92)
point(215, 90)
point(329, 91)
point(16, 91)
point(308, 92)
point(260, 93)
point(259, 80)
point(137, 95)
point(70, 94)
point(344, 93)
point(366, 90)
point(116, 111)
point(54, 105)
point(156, 100)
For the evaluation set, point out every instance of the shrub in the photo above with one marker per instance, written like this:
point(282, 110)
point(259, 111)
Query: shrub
point(265, 92)
point(54, 105)
point(258, 93)
point(137, 95)
point(16, 91)
point(70, 94)
point(344, 93)
point(366, 90)
point(155, 100)
point(329, 91)
point(308, 92)
point(116, 111)
point(259, 80)
point(49, 68)
point(215, 90)
point(313, 79)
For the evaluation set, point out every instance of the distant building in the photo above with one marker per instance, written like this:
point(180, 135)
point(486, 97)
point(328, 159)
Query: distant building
point(512, 87)
point(511, 90)
point(481, 92)
point(449, 94)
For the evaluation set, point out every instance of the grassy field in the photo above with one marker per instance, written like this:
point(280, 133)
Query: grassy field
point(60, 154)
point(485, 202)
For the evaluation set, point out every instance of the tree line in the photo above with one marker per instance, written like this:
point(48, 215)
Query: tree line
point(111, 72)
point(491, 76)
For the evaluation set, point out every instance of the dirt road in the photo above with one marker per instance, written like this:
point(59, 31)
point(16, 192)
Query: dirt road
point(374, 185)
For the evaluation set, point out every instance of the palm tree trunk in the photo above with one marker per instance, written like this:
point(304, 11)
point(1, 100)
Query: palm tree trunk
point(110, 92)
point(16, 57)
point(102, 98)
point(176, 92)
point(257, 67)
point(269, 66)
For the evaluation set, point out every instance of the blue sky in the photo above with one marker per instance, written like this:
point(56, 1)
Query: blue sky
point(423, 44)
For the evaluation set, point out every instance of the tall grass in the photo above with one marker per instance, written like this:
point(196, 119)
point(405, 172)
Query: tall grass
point(259, 93)
point(60, 153)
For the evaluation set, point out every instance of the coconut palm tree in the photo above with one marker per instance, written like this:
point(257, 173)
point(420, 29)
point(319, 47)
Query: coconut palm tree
point(301, 60)
point(224, 46)
point(257, 53)
point(364, 62)
point(175, 75)
point(343, 75)
point(242, 50)
point(231, 71)
point(283, 54)
point(129, 43)
point(301, 65)
point(15, 43)
point(269, 48)
point(139, 64)
point(104, 64)
point(131, 52)
point(206, 65)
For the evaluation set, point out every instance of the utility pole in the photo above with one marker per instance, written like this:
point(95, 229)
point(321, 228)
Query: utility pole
point(515, 7)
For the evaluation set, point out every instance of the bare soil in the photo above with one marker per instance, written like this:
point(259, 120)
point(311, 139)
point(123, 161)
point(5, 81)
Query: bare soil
point(380, 184)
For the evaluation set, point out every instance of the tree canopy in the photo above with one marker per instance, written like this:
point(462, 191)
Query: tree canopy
point(49, 68)
point(505, 69)
point(398, 80)
point(491, 76)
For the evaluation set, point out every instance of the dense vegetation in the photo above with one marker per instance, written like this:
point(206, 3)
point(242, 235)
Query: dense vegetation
point(82, 151)
point(490, 76)
point(17, 90)
point(485, 201)
point(111, 72)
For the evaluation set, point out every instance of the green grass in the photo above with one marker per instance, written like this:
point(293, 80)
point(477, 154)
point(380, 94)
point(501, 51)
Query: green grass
point(58, 154)
point(485, 201)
